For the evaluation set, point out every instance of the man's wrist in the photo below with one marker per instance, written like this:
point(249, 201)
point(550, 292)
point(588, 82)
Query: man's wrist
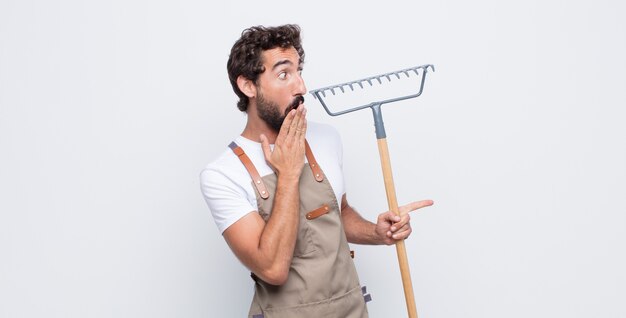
point(377, 238)
point(289, 178)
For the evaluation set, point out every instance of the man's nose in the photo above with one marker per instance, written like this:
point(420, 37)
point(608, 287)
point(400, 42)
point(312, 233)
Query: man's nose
point(300, 87)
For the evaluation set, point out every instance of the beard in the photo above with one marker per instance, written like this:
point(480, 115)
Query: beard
point(269, 111)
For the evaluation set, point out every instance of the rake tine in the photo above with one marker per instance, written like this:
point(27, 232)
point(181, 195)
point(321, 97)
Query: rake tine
point(320, 93)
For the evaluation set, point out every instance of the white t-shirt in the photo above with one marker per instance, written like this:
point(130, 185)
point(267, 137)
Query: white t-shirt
point(226, 184)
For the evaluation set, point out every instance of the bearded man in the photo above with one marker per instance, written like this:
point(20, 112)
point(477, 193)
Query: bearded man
point(277, 192)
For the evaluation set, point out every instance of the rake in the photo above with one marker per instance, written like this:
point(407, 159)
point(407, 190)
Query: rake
point(320, 94)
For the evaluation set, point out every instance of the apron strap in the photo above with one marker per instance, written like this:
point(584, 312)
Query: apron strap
point(315, 167)
point(256, 178)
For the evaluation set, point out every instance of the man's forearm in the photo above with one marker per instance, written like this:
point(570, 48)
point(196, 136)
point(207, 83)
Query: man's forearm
point(359, 230)
point(278, 239)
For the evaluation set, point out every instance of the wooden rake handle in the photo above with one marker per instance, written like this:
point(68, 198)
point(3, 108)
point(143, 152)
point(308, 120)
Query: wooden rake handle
point(390, 189)
point(400, 248)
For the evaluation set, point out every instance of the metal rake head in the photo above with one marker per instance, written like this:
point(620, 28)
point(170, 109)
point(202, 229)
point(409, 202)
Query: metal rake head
point(320, 93)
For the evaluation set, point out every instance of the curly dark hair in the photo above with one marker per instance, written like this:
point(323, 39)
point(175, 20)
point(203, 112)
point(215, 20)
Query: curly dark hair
point(245, 56)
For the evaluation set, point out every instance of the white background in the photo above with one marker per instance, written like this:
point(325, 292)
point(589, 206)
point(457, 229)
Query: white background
point(110, 109)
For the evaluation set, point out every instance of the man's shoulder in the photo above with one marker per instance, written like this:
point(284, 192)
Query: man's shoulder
point(226, 158)
point(225, 165)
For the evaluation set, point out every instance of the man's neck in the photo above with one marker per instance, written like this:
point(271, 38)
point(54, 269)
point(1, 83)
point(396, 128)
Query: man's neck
point(255, 127)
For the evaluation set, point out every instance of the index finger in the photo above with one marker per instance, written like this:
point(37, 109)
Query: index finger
point(415, 206)
point(284, 129)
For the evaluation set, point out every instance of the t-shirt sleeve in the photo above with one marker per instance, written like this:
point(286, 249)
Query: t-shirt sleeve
point(227, 200)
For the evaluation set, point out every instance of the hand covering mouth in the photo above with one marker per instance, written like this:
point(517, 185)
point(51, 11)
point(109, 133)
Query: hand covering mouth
point(296, 102)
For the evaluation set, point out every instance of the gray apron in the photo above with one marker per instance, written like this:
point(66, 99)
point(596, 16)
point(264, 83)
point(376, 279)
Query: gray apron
point(322, 279)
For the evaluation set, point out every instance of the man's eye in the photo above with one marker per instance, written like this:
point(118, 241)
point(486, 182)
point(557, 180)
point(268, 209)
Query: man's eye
point(282, 75)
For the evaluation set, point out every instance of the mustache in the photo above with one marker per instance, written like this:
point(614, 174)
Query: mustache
point(296, 102)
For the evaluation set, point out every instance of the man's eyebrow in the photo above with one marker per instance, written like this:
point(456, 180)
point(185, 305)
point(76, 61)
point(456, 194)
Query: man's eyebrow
point(279, 63)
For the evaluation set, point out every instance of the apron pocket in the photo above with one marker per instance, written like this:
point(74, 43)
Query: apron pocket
point(304, 243)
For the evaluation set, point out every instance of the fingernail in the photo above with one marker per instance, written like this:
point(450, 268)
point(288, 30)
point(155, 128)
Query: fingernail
point(393, 228)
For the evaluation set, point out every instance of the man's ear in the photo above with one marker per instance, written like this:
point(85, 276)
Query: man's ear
point(246, 86)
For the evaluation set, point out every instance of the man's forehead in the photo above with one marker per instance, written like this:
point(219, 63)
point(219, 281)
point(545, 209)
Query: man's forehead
point(279, 56)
